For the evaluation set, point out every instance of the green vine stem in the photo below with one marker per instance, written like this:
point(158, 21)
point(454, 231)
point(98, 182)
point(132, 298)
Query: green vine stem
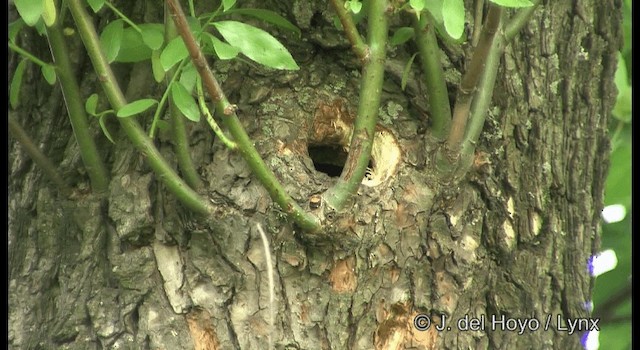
point(357, 43)
point(174, 73)
point(478, 10)
point(181, 148)
point(135, 133)
point(75, 108)
point(482, 100)
point(178, 129)
point(519, 20)
point(123, 17)
point(212, 122)
point(365, 123)
point(226, 110)
point(26, 54)
point(425, 38)
point(38, 157)
point(470, 80)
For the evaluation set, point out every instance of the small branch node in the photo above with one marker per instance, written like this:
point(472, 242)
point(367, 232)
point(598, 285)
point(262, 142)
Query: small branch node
point(230, 109)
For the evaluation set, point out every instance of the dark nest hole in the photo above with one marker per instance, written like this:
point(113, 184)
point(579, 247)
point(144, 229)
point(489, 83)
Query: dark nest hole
point(329, 159)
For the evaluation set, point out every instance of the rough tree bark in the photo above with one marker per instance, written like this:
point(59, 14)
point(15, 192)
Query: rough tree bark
point(135, 270)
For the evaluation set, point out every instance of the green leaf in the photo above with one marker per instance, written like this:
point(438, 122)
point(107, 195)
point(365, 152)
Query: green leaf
point(152, 36)
point(354, 6)
point(41, 28)
point(228, 4)
point(453, 16)
point(402, 35)
point(435, 9)
point(194, 25)
point(111, 39)
point(617, 335)
point(185, 103)
point(622, 108)
point(618, 237)
point(174, 52)
point(29, 10)
point(188, 77)
point(223, 50)
point(133, 48)
point(14, 29)
point(406, 71)
point(91, 105)
point(618, 183)
point(135, 107)
point(269, 17)
point(49, 12)
point(417, 5)
point(16, 83)
point(256, 44)
point(513, 3)
point(96, 5)
point(104, 128)
point(156, 67)
point(49, 73)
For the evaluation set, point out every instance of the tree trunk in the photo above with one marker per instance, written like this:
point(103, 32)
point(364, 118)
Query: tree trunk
point(503, 251)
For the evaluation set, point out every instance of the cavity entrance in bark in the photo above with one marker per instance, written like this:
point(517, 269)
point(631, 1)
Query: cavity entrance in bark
point(329, 159)
point(329, 139)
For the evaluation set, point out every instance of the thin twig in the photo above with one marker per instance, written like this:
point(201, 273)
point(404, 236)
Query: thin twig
point(226, 110)
point(37, 156)
point(425, 38)
point(519, 20)
point(135, 133)
point(179, 131)
point(365, 123)
point(477, 21)
point(212, 122)
point(470, 81)
point(165, 97)
point(123, 17)
point(26, 54)
point(77, 116)
point(181, 148)
point(357, 43)
point(482, 100)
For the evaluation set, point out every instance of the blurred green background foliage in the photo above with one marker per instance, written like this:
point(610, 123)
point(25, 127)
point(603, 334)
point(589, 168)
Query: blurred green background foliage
point(612, 294)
